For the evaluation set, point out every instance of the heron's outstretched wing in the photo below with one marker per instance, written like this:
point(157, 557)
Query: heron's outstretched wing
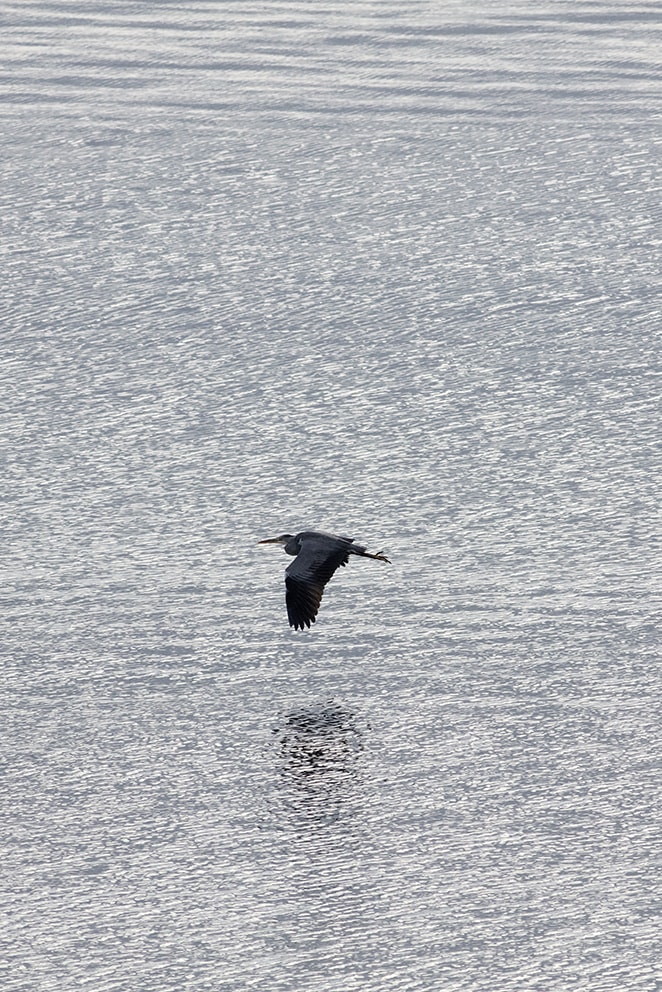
point(306, 577)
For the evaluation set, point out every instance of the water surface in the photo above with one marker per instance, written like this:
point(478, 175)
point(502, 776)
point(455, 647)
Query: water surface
point(388, 270)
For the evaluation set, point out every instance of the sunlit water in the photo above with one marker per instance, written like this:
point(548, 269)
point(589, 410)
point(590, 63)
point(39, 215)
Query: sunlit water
point(388, 269)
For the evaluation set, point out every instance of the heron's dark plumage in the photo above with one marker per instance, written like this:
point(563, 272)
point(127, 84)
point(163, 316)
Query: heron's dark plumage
point(317, 557)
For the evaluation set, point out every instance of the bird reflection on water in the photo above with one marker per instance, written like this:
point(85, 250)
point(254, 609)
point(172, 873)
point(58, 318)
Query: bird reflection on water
point(319, 749)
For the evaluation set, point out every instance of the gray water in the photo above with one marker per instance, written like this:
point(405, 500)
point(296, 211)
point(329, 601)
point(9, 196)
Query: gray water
point(387, 269)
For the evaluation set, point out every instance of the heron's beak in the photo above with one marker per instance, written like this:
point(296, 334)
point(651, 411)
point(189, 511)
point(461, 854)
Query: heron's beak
point(270, 540)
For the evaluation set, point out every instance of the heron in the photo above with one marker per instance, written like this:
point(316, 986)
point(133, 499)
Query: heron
point(316, 557)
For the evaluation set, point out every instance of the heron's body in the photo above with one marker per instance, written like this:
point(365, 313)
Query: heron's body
point(317, 556)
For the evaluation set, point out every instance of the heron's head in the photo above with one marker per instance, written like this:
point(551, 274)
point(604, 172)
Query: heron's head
point(283, 539)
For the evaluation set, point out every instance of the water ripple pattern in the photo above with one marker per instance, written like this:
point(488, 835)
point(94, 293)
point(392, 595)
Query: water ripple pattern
point(385, 269)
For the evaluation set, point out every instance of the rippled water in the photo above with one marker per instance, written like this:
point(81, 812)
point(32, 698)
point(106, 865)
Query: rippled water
point(391, 270)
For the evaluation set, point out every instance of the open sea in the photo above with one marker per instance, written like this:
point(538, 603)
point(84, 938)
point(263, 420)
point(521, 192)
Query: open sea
point(387, 269)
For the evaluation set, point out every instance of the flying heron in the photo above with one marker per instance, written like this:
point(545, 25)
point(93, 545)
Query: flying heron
point(317, 556)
